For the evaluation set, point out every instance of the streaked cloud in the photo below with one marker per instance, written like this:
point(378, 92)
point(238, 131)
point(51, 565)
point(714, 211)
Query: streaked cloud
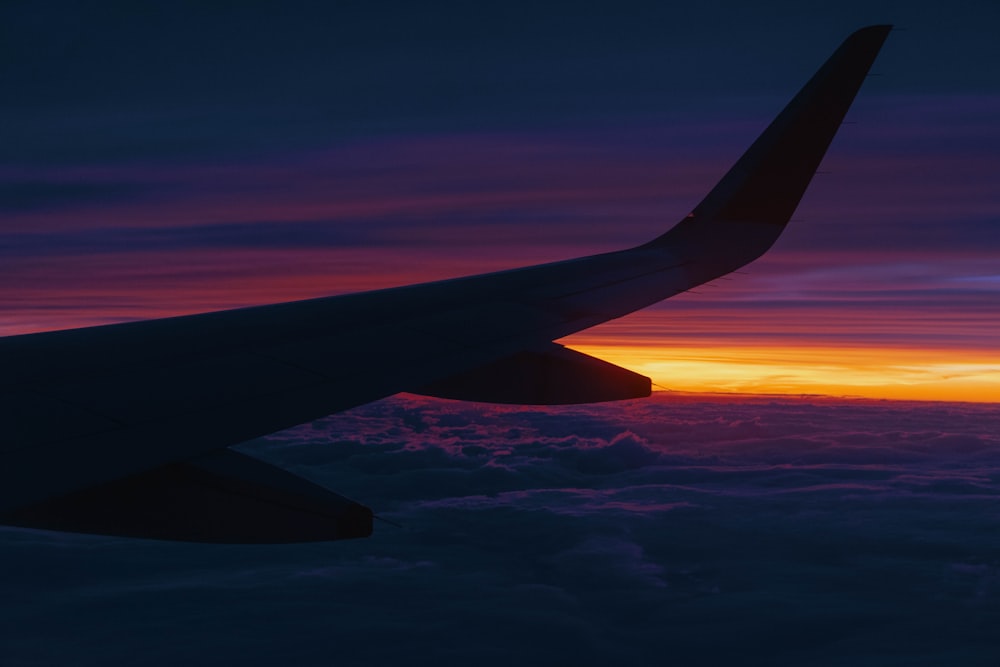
point(904, 263)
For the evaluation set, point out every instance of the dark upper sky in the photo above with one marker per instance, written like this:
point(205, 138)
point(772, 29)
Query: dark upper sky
point(88, 81)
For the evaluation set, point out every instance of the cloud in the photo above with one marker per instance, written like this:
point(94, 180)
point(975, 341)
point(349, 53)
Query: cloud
point(813, 531)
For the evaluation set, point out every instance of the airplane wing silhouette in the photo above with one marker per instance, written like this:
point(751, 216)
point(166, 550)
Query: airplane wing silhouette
point(124, 429)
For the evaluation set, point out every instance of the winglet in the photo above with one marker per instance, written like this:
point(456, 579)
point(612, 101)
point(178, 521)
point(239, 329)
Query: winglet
point(768, 181)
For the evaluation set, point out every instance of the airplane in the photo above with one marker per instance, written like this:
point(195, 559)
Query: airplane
point(126, 429)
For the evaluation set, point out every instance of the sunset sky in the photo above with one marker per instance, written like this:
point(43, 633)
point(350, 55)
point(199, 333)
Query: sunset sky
point(159, 160)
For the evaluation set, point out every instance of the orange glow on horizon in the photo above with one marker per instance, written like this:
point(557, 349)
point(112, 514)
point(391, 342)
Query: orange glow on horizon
point(888, 373)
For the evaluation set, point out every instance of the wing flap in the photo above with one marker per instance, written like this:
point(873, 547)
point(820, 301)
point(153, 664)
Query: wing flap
point(554, 375)
point(226, 497)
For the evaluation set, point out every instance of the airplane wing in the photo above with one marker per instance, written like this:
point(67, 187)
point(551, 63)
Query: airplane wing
point(124, 429)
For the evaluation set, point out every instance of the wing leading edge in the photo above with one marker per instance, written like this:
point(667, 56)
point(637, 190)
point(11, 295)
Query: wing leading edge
point(91, 411)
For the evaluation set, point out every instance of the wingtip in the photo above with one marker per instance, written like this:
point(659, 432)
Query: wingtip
point(768, 181)
point(872, 31)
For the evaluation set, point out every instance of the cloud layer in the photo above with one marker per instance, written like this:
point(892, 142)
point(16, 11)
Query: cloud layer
point(699, 530)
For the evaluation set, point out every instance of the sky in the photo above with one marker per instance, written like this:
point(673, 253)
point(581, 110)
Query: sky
point(166, 158)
